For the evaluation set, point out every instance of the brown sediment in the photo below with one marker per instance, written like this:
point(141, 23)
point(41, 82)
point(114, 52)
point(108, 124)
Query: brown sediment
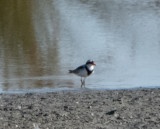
point(107, 109)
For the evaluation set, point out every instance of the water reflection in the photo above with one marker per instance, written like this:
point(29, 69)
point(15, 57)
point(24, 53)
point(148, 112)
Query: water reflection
point(21, 55)
point(41, 40)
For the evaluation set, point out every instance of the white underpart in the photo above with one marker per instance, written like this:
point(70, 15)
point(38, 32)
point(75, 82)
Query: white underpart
point(90, 67)
point(83, 73)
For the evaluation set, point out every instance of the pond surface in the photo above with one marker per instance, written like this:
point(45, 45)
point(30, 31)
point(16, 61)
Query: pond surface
point(41, 40)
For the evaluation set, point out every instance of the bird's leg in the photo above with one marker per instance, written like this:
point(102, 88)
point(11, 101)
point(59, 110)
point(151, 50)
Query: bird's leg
point(81, 82)
point(84, 82)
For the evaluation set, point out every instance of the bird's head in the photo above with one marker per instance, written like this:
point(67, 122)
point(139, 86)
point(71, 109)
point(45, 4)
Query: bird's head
point(90, 64)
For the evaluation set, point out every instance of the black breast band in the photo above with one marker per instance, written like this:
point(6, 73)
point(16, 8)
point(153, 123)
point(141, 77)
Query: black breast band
point(88, 71)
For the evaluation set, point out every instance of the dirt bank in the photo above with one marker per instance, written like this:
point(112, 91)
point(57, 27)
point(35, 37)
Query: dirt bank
point(107, 109)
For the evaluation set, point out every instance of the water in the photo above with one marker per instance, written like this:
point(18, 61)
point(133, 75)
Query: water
point(41, 40)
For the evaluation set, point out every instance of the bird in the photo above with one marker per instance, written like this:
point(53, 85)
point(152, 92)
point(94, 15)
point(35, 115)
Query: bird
point(84, 71)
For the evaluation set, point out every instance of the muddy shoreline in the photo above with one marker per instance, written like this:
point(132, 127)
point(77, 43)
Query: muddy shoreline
point(84, 109)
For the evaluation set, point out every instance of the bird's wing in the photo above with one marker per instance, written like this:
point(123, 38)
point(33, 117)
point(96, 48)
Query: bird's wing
point(78, 69)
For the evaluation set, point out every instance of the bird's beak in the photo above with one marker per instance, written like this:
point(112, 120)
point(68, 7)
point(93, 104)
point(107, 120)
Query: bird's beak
point(93, 64)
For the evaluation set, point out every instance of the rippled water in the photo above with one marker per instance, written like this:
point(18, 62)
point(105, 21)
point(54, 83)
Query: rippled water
point(41, 40)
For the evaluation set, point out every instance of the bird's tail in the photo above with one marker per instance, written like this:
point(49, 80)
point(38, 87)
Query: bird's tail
point(70, 71)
